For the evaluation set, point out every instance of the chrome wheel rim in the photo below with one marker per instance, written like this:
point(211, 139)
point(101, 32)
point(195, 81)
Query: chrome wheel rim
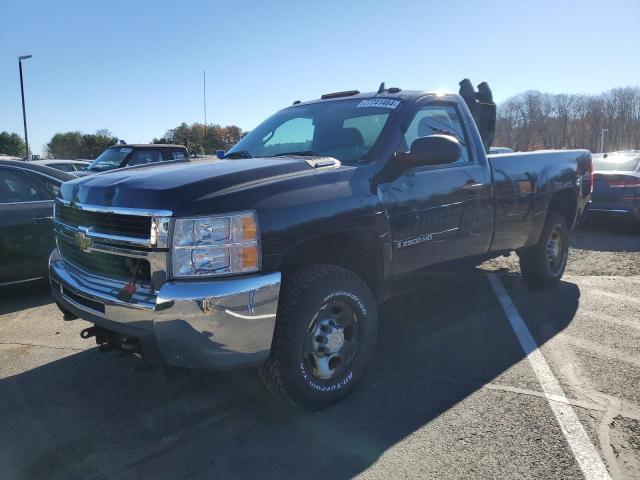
point(555, 251)
point(331, 340)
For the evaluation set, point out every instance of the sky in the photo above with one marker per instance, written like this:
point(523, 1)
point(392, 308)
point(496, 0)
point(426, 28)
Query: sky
point(135, 67)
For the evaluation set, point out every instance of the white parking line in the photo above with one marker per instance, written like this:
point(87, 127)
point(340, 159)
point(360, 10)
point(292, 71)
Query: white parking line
point(583, 450)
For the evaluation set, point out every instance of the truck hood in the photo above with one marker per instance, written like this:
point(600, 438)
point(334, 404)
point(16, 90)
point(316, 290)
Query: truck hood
point(173, 187)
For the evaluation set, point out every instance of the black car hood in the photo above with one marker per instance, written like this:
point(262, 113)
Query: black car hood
point(174, 187)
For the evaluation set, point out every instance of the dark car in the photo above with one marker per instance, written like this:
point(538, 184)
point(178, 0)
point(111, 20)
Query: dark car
point(26, 210)
point(69, 166)
point(277, 255)
point(130, 155)
point(617, 185)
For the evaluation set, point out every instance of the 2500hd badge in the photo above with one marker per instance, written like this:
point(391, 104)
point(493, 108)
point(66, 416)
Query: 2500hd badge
point(414, 241)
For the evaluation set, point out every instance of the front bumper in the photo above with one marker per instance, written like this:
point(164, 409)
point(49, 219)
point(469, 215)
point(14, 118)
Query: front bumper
point(212, 324)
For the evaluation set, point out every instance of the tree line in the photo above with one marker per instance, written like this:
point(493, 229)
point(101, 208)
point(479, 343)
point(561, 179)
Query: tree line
point(201, 138)
point(197, 137)
point(12, 144)
point(75, 145)
point(66, 145)
point(534, 120)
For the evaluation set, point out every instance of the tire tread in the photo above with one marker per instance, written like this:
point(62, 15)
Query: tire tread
point(295, 286)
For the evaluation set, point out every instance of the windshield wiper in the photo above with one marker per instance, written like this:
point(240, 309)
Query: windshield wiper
point(302, 153)
point(239, 154)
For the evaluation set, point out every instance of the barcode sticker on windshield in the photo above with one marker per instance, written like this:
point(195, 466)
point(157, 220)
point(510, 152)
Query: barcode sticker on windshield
point(379, 102)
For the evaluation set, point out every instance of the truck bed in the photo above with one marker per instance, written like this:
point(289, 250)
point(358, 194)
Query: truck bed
point(522, 183)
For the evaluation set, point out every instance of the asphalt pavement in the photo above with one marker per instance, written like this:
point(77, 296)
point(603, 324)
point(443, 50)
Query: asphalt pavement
point(450, 394)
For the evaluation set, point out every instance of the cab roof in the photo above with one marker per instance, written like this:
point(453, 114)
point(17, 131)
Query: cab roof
point(403, 95)
point(147, 145)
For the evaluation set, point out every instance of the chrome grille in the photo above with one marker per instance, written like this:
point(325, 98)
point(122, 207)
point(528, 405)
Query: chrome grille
point(105, 222)
point(114, 242)
point(116, 267)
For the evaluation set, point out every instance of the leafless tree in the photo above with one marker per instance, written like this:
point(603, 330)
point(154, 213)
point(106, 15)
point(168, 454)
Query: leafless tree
point(533, 120)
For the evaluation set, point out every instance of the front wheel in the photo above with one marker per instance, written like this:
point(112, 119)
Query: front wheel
point(542, 265)
point(325, 336)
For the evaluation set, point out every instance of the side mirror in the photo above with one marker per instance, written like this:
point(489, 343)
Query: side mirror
point(432, 150)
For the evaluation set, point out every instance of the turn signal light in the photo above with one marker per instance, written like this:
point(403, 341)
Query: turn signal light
point(249, 230)
point(250, 257)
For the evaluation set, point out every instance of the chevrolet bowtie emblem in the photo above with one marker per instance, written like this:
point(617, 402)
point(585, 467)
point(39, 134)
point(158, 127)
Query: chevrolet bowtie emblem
point(82, 240)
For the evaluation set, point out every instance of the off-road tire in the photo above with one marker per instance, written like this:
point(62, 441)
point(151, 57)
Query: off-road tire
point(303, 294)
point(535, 265)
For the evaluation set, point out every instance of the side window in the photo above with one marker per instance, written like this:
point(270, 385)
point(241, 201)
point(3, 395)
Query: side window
point(47, 186)
point(17, 187)
point(144, 157)
point(438, 119)
point(64, 167)
point(177, 154)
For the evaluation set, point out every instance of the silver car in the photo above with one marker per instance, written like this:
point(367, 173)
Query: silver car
point(69, 166)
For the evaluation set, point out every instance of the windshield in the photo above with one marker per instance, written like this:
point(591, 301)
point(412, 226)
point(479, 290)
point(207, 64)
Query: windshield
point(623, 161)
point(109, 159)
point(343, 129)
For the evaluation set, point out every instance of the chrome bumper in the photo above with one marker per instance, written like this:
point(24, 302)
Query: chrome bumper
point(214, 324)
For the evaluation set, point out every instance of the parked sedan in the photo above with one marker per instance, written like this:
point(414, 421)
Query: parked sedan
point(26, 209)
point(69, 166)
point(129, 155)
point(617, 184)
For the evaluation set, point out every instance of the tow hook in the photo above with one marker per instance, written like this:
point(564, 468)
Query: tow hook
point(121, 345)
point(89, 332)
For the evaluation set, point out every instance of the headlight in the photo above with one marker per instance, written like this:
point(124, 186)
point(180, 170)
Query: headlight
point(220, 245)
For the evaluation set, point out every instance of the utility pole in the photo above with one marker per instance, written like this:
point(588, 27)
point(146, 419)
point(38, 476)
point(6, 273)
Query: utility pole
point(24, 112)
point(602, 132)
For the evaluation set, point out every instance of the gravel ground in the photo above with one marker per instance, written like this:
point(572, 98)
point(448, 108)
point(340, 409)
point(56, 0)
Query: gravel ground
point(450, 393)
point(599, 247)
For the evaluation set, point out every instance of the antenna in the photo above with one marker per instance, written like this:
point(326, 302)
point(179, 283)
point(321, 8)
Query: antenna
point(381, 89)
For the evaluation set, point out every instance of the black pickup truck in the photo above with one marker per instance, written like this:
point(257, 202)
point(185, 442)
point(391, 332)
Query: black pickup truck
point(278, 255)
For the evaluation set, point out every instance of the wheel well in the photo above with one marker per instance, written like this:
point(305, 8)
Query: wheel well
point(565, 203)
point(358, 251)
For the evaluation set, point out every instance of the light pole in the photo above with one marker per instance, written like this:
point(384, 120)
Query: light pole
point(24, 112)
point(204, 99)
point(604, 130)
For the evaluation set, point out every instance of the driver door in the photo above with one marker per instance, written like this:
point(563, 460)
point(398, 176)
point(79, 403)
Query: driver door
point(440, 212)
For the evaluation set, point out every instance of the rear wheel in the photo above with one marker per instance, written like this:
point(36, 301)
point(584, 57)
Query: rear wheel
point(325, 336)
point(543, 264)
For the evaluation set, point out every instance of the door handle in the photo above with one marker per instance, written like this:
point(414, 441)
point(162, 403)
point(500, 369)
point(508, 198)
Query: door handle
point(43, 219)
point(472, 186)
